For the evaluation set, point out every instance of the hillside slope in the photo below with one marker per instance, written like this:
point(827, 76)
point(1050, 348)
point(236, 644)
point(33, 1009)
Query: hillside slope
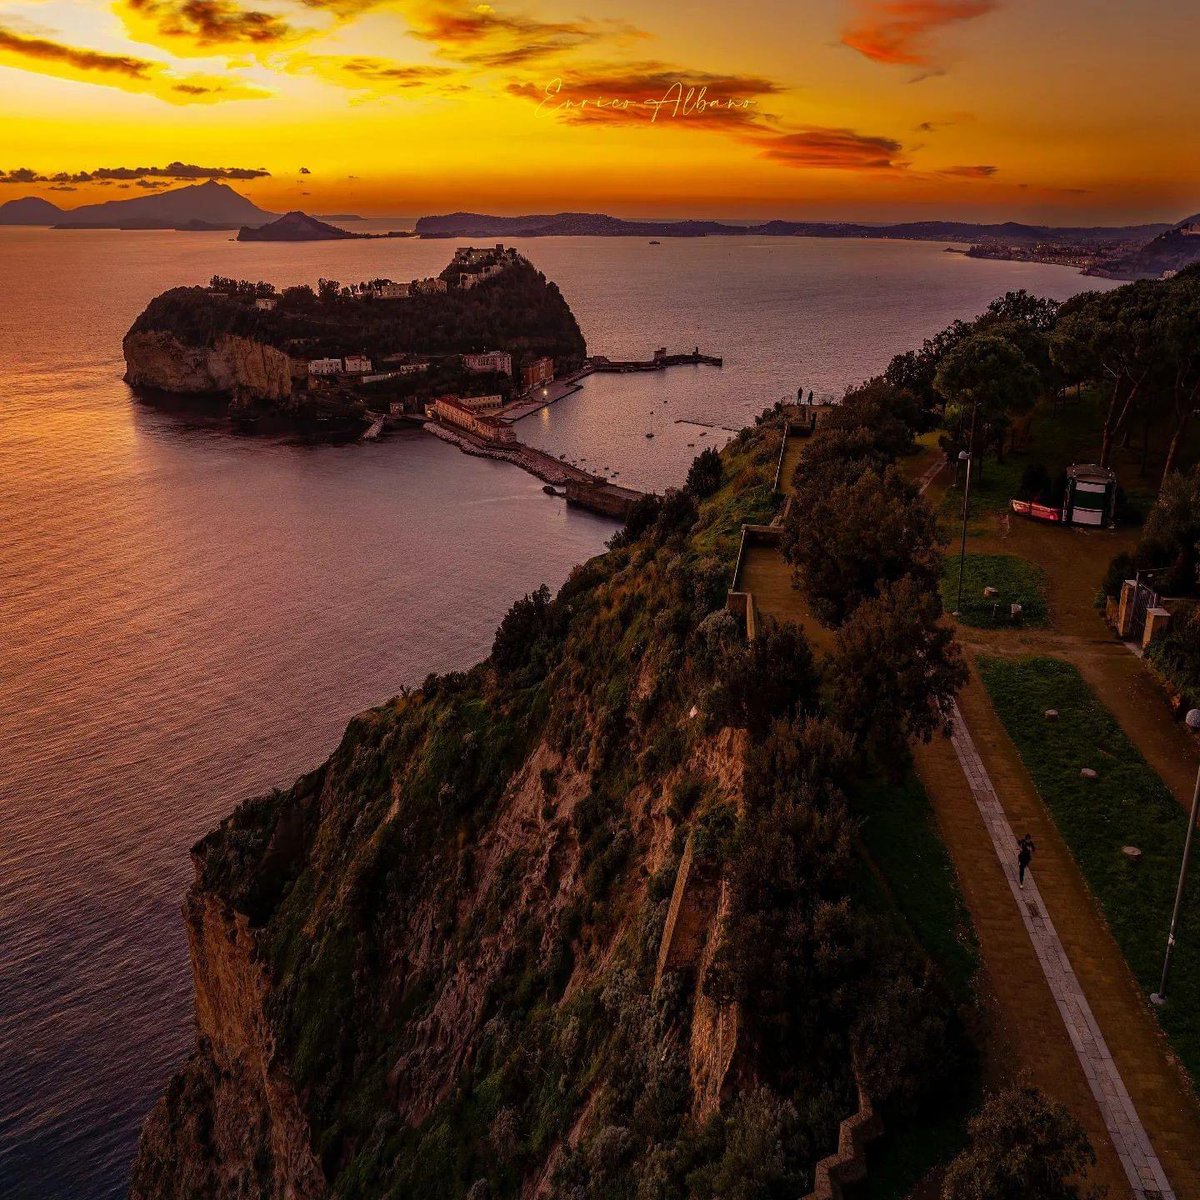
point(588, 920)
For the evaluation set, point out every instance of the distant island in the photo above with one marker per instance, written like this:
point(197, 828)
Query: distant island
point(1147, 251)
point(488, 325)
point(295, 227)
point(300, 227)
point(600, 225)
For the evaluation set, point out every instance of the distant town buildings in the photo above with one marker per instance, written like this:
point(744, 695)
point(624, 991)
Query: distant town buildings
point(388, 290)
point(266, 303)
point(468, 280)
point(471, 416)
point(1191, 229)
point(537, 373)
point(352, 364)
point(482, 404)
point(493, 360)
point(392, 291)
point(475, 264)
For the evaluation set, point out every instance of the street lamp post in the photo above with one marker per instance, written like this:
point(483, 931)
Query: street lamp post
point(1160, 997)
point(963, 456)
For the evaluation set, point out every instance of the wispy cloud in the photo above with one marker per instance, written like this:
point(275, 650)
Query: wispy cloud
point(485, 36)
point(379, 76)
point(904, 32)
point(46, 56)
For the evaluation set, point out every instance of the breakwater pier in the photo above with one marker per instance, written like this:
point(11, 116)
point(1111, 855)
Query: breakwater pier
point(601, 364)
point(580, 487)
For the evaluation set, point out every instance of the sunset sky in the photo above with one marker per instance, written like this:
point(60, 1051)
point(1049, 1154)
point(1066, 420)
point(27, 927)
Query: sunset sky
point(1056, 110)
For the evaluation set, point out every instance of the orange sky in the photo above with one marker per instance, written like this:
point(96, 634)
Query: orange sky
point(1058, 110)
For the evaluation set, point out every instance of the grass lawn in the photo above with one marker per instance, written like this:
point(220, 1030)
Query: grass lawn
point(1129, 805)
point(900, 835)
point(1016, 578)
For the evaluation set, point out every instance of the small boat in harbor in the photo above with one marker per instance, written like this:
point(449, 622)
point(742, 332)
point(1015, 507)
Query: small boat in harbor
point(655, 242)
point(649, 435)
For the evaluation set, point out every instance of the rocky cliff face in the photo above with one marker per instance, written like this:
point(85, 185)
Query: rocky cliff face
point(230, 1124)
point(585, 921)
point(233, 366)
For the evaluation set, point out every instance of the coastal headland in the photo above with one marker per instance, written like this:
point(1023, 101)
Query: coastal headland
point(465, 354)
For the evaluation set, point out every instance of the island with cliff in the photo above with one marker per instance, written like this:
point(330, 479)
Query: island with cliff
point(325, 358)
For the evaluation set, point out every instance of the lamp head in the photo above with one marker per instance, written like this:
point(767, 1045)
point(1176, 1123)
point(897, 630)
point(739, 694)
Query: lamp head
point(963, 456)
point(1193, 719)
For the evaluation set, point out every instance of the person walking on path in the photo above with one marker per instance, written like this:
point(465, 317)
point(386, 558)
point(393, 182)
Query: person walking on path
point(1025, 849)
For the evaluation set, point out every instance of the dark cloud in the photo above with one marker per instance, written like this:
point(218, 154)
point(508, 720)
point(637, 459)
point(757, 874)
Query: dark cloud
point(903, 32)
point(74, 56)
point(212, 22)
point(832, 149)
point(971, 172)
point(173, 171)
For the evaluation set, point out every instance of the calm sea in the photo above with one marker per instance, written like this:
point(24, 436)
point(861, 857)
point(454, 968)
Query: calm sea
point(187, 618)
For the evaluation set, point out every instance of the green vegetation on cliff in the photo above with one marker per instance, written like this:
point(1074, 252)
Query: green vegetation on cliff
point(518, 310)
point(597, 911)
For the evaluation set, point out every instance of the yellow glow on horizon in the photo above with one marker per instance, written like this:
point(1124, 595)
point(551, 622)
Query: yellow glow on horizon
point(406, 106)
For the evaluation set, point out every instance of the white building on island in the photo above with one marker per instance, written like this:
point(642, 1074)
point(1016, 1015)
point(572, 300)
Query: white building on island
point(492, 360)
point(392, 291)
point(325, 366)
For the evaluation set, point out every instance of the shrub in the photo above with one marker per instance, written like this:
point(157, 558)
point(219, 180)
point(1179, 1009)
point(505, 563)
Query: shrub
point(704, 475)
point(1022, 1147)
point(526, 637)
point(848, 539)
point(1177, 656)
point(772, 677)
point(897, 670)
point(1036, 484)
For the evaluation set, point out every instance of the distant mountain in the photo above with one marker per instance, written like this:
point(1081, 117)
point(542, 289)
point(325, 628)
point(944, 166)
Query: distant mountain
point(1173, 250)
point(209, 205)
point(600, 225)
point(29, 210)
point(295, 227)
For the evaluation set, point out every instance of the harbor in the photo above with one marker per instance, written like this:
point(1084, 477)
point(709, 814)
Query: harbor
point(487, 431)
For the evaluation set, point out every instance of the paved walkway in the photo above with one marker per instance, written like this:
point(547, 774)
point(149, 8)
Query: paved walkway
point(1140, 1162)
point(1046, 1009)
